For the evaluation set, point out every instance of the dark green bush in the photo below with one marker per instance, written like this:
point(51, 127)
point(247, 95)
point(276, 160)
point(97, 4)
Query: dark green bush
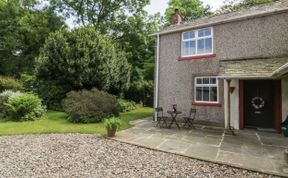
point(83, 58)
point(126, 105)
point(90, 106)
point(24, 107)
point(52, 94)
point(28, 82)
point(141, 91)
point(9, 83)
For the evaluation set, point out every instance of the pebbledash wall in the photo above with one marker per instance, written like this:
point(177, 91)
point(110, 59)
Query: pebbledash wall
point(251, 38)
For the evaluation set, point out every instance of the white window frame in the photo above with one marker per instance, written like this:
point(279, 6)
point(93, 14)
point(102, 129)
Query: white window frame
point(206, 85)
point(196, 41)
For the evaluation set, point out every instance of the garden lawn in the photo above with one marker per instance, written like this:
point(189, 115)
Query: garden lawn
point(56, 122)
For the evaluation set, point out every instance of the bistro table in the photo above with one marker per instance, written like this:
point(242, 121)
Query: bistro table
point(174, 116)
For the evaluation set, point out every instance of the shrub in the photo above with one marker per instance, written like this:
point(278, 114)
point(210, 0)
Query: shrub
point(90, 106)
point(83, 58)
point(4, 96)
point(112, 123)
point(141, 91)
point(126, 105)
point(28, 82)
point(52, 94)
point(24, 107)
point(9, 83)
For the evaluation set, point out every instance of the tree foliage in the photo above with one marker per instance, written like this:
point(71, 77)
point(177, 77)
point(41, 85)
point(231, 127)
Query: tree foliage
point(99, 13)
point(83, 58)
point(234, 5)
point(190, 9)
point(23, 30)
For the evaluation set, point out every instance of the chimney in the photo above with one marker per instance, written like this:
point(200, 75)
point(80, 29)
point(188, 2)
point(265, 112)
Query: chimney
point(176, 17)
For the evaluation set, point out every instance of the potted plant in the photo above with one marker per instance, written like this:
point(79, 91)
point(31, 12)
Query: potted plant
point(112, 125)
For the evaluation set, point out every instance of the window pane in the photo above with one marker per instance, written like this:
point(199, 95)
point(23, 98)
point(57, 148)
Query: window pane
point(188, 35)
point(201, 46)
point(185, 51)
point(199, 81)
point(192, 46)
point(199, 93)
point(205, 93)
point(206, 80)
point(212, 80)
point(208, 45)
point(213, 93)
point(204, 32)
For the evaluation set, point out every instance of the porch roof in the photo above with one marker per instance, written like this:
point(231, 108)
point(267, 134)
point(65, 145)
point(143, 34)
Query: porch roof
point(270, 68)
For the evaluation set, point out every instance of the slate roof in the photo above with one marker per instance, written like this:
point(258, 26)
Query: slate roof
point(253, 12)
point(254, 68)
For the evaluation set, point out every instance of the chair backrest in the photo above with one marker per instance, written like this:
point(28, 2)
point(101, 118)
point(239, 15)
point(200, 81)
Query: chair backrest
point(159, 111)
point(192, 112)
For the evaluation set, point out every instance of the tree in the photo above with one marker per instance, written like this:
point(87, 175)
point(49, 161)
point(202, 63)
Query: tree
point(234, 5)
point(83, 58)
point(101, 14)
point(23, 30)
point(135, 38)
point(189, 9)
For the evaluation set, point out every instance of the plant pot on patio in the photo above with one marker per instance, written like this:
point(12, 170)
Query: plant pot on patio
point(112, 125)
point(111, 132)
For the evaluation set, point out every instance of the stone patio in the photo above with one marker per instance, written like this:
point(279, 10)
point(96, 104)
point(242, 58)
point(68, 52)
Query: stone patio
point(249, 149)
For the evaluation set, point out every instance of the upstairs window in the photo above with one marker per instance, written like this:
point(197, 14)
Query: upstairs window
point(198, 42)
point(206, 89)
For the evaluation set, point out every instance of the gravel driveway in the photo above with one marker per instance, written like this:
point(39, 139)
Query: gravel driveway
point(78, 155)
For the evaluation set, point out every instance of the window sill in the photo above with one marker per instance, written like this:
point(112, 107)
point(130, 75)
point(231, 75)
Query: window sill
point(207, 104)
point(180, 58)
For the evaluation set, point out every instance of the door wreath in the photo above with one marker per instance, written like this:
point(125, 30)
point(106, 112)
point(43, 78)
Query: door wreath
point(257, 102)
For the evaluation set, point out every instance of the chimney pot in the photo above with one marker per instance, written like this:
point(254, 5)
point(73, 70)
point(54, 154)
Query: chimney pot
point(176, 17)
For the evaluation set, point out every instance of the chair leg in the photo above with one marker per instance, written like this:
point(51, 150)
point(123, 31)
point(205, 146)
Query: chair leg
point(191, 125)
point(158, 123)
point(164, 122)
point(185, 123)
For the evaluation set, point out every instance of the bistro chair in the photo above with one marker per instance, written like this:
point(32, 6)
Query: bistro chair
point(188, 121)
point(161, 119)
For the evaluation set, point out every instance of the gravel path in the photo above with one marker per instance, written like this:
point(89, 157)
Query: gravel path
point(78, 155)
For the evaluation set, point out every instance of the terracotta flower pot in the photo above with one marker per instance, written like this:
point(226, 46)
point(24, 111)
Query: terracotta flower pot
point(111, 132)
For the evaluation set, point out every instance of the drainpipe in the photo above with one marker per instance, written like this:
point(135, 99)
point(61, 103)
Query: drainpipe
point(157, 75)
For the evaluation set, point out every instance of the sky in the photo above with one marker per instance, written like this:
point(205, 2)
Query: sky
point(160, 5)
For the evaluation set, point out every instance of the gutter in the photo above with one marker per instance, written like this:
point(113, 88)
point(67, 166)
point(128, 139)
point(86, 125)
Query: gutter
point(251, 16)
point(157, 76)
point(281, 71)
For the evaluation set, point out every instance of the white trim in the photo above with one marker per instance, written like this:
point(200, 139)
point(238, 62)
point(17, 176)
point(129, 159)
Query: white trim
point(157, 75)
point(206, 85)
point(196, 38)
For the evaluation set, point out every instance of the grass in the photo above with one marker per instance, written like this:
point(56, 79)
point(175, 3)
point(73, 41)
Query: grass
point(55, 122)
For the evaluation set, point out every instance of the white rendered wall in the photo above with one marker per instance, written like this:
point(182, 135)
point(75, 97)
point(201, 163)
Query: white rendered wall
point(234, 104)
point(284, 98)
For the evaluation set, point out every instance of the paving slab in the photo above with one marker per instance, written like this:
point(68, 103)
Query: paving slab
point(175, 146)
point(202, 151)
point(249, 149)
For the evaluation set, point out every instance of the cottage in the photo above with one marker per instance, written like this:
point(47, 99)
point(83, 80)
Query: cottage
point(230, 67)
